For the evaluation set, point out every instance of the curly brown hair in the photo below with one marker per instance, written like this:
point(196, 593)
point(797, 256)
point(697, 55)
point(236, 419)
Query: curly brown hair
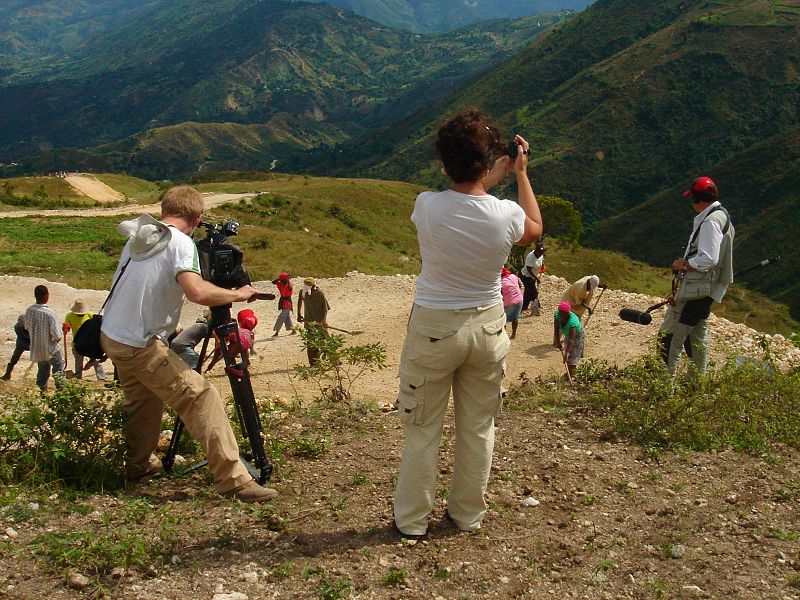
point(465, 144)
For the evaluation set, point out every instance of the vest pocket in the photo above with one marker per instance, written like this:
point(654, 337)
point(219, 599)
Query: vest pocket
point(695, 285)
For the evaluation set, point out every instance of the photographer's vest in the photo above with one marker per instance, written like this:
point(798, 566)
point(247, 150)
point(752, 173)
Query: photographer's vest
point(715, 281)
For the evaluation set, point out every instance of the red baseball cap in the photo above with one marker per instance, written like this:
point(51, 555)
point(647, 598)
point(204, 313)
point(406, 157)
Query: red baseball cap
point(702, 184)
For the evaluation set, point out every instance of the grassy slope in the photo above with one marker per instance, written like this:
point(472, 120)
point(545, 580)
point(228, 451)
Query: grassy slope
point(136, 189)
point(53, 186)
point(323, 227)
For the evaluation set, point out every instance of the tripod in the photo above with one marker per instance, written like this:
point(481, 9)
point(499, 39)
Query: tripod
point(243, 399)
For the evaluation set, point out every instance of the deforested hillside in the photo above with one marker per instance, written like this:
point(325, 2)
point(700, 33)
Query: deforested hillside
point(626, 98)
point(305, 73)
point(630, 99)
point(425, 16)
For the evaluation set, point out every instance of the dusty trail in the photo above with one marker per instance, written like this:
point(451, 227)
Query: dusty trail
point(94, 189)
point(379, 306)
point(211, 200)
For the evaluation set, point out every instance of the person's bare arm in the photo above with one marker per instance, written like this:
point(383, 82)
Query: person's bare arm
point(527, 199)
point(200, 291)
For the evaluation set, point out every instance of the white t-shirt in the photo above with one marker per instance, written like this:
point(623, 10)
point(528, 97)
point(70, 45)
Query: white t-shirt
point(534, 263)
point(464, 241)
point(147, 301)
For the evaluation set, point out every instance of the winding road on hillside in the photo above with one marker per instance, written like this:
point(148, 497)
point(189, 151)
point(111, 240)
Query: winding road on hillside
point(211, 200)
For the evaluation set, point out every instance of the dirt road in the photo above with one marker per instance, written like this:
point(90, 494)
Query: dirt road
point(379, 306)
point(211, 200)
point(93, 188)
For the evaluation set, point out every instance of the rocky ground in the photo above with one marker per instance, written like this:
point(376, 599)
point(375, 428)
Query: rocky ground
point(571, 515)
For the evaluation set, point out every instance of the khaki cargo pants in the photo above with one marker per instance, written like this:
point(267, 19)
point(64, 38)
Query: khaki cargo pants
point(153, 375)
point(464, 350)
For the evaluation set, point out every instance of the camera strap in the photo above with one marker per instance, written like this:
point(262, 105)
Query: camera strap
point(125, 266)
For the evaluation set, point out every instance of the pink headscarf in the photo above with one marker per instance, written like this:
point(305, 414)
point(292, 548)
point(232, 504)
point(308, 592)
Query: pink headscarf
point(564, 307)
point(505, 272)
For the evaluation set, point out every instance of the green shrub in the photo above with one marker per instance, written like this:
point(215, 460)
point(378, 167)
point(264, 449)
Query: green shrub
point(73, 436)
point(338, 366)
point(746, 407)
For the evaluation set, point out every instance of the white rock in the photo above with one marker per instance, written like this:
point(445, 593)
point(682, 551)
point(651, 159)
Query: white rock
point(691, 591)
point(34, 506)
point(505, 579)
point(230, 596)
point(249, 577)
point(11, 532)
point(677, 551)
point(530, 501)
point(77, 581)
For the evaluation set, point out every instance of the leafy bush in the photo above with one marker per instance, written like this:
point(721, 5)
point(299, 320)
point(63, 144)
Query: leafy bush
point(74, 436)
point(338, 366)
point(747, 407)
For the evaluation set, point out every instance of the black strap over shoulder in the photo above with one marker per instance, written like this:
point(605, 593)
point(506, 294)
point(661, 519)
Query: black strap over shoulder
point(125, 266)
point(696, 233)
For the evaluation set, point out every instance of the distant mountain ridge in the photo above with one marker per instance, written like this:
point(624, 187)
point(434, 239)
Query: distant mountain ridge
point(243, 84)
point(424, 16)
point(40, 35)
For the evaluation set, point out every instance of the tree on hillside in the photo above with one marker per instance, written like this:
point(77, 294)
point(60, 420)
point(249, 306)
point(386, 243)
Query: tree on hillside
point(561, 220)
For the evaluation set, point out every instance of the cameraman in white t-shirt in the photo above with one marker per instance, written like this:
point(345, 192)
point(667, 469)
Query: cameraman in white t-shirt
point(159, 268)
point(456, 335)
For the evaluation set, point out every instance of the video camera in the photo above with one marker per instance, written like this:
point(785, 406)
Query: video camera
point(221, 262)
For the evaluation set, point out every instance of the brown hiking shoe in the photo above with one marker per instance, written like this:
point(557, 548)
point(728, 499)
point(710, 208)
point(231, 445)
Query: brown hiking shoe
point(251, 493)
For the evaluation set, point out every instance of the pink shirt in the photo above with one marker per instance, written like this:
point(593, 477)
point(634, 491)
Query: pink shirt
point(510, 289)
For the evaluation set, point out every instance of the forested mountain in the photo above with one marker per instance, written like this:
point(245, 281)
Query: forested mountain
point(282, 74)
point(33, 32)
point(39, 36)
point(425, 16)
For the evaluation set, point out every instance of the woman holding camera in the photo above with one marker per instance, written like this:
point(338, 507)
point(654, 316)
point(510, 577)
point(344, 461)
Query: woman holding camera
point(456, 335)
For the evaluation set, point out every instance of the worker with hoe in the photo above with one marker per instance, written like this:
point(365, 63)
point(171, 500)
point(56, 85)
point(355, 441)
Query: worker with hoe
point(530, 273)
point(580, 294)
point(567, 323)
point(159, 268)
point(77, 316)
point(312, 311)
point(706, 271)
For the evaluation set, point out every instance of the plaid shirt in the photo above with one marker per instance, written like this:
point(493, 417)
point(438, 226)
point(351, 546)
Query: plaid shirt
point(45, 332)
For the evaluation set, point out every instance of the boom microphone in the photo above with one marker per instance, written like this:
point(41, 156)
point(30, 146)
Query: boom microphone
point(635, 316)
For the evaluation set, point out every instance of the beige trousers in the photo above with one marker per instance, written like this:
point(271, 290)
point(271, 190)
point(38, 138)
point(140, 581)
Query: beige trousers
point(464, 350)
point(153, 375)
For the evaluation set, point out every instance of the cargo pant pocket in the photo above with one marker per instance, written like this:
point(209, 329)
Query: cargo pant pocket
point(411, 399)
point(496, 340)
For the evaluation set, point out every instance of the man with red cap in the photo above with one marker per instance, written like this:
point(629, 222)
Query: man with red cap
point(706, 270)
point(284, 284)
